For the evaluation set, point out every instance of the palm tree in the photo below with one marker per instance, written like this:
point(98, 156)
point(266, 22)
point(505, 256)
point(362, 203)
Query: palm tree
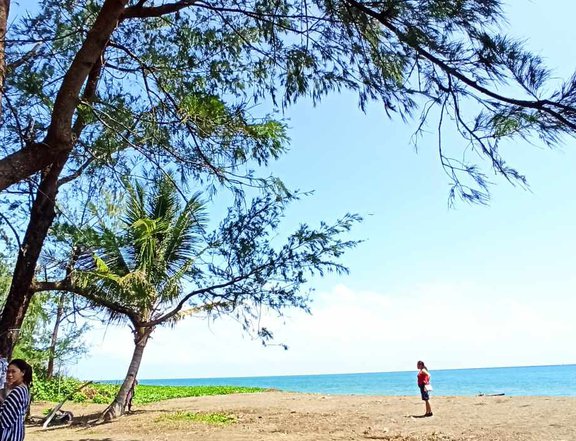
point(136, 272)
point(136, 269)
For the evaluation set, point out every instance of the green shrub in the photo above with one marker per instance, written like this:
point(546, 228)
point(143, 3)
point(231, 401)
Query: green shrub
point(149, 394)
point(103, 393)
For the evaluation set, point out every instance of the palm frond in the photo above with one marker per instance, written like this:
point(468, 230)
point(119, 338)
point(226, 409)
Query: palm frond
point(143, 264)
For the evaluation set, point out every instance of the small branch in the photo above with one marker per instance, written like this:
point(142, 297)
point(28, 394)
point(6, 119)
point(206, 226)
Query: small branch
point(77, 173)
point(139, 11)
point(27, 56)
point(16, 116)
point(13, 230)
point(67, 285)
point(188, 296)
point(89, 94)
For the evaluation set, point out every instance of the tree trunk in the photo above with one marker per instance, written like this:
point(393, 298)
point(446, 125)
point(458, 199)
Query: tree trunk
point(60, 137)
point(19, 296)
point(117, 408)
point(54, 338)
point(4, 12)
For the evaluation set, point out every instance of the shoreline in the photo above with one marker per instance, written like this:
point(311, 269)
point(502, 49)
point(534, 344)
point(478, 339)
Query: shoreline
point(515, 381)
point(274, 415)
point(343, 394)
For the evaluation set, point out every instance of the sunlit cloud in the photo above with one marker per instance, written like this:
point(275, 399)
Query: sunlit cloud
point(450, 326)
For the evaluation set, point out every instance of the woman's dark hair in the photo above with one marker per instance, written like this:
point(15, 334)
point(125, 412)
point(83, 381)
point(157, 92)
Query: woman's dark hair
point(25, 368)
point(420, 362)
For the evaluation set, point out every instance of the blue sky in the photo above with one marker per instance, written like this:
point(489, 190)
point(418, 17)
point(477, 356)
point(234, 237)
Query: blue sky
point(471, 286)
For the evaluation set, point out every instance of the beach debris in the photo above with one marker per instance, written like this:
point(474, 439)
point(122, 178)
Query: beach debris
point(491, 395)
point(56, 410)
point(63, 417)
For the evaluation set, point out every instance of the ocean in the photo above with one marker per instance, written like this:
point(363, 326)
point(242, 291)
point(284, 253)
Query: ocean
point(514, 381)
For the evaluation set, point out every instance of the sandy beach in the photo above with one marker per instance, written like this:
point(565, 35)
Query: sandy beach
point(299, 417)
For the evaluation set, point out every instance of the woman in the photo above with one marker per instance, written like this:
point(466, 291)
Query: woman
point(424, 385)
point(14, 408)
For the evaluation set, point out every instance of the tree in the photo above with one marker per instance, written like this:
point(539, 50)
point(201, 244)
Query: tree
point(65, 338)
point(135, 273)
point(97, 90)
point(46, 351)
point(158, 265)
point(42, 348)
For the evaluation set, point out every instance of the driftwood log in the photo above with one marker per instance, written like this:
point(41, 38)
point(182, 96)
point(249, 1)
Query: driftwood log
point(54, 411)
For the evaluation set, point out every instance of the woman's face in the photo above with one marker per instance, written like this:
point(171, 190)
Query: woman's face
point(14, 376)
point(419, 365)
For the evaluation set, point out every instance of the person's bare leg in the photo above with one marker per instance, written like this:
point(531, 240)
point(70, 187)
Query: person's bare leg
point(428, 408)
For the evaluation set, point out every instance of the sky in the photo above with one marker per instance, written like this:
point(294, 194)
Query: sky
point(470, 286)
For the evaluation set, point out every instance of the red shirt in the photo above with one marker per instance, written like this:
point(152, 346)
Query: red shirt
point(423, 377)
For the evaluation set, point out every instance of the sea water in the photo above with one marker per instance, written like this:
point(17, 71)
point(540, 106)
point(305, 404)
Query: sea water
point(519, 381)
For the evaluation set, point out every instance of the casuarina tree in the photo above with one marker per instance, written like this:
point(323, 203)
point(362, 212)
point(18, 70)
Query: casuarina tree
point(97, 90)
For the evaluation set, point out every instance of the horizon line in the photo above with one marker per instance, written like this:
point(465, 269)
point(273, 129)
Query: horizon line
point(344, 373)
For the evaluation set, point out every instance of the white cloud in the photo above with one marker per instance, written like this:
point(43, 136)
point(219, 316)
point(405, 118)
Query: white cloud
point(449, 326)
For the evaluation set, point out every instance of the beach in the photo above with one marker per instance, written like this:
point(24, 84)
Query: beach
point(297, 417)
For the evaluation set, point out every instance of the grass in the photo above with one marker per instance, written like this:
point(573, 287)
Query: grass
point(207, 418)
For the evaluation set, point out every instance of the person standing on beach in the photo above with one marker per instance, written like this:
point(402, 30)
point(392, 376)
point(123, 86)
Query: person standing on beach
point(14, 408)
point(424, 385)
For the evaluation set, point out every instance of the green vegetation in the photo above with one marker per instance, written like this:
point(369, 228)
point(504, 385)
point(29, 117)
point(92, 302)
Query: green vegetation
point(103, 393)
point(148, 394)
point(208, 418)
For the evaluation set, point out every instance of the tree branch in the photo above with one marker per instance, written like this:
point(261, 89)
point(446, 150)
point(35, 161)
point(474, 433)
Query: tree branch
point(67, 285)
point(139, 11)
point(540, 105)
point(188, 296)
point(77, 173)
point(16, 235)
point(27, 56)
point(4, 11)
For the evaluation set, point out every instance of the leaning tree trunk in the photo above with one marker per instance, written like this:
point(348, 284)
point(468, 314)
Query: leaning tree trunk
point(19, 296)
point(118, 406)
point(4, 11)
point(54, 337)
point(43, 209)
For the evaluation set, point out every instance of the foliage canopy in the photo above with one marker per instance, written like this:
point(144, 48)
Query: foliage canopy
point(95, 92)
point(115, 83)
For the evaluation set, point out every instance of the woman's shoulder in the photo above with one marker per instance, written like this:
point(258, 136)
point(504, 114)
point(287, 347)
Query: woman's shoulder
point(20, 391)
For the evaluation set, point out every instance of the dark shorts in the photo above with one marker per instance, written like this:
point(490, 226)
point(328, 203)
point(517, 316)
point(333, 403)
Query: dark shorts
point(425, 394)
